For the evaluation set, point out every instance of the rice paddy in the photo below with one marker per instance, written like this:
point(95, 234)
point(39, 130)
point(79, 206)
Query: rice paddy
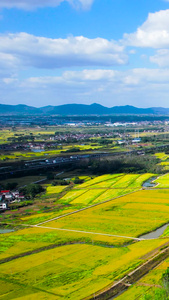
point(77, 255)
point(66, 272)
point(162, 181)
point(149, 287)
point(130, 215)
point(103, 188)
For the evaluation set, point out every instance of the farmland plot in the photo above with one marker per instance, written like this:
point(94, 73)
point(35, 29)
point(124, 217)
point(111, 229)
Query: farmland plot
point(70, 196)
point(100, 179)
point(88, 197)
point(163, 181)
point(125, 181)
point(86, 254)
point(122, 216)
point(112, 186)
point(54, 189)
point(149, 286)
point(62, 274)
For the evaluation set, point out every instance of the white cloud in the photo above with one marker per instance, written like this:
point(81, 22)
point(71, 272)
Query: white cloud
point(161, 58)
point(153, 33)
point(33, 4)
point(104, 79)
point(139, 87)
point(30, 51)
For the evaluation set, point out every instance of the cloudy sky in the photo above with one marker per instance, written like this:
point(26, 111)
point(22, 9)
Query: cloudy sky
point(111, 52)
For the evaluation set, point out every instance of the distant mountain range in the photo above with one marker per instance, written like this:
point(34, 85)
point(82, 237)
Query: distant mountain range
point(80, 109)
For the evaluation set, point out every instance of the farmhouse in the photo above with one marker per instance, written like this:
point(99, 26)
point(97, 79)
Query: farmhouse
point(8, 195)
point(3, 203)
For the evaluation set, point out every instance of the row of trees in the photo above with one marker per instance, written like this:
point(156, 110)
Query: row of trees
point(127, 164)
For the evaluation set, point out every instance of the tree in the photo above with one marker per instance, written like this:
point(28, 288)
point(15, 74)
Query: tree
point(31, 190)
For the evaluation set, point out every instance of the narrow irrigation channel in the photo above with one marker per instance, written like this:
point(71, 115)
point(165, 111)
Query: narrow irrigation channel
point(154, 234)
point(122, 285)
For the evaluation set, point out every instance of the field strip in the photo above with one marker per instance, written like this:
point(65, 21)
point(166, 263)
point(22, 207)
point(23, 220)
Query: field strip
point(33, 288)
point(85, 208)
point(130, 278)
point(87, 232)
point(100, 188)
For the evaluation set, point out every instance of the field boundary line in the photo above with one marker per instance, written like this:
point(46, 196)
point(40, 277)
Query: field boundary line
point(88, 207)
point(87, 232)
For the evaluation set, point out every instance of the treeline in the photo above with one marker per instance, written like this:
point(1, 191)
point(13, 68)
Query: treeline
point(128, 164)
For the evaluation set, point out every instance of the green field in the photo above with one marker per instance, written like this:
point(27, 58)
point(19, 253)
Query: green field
point(162, 181)
point(105, 187)
point(69, 272)
point(81, 253)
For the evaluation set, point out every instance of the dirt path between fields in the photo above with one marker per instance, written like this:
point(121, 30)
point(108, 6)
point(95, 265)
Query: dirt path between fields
point(88, 232)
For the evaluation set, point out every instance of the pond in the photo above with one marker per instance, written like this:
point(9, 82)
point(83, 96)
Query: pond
point(149, 182)
point(3, 230)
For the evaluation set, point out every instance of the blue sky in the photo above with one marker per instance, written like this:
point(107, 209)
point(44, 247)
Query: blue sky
point(112, 52)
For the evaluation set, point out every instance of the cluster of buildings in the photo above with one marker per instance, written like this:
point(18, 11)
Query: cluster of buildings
point(7, 197)
point(79, 136)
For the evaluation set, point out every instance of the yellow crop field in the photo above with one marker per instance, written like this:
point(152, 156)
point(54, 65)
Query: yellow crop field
point(99, 179)
point(111, 194)
point(41, 217)
point(165, 165)
point(121, 216)
point(33, 238)
point(106, 183)
point(112, 186)
point(125, 181)
point(62, 273)
point(81, 253)
point(88, 197)
point(140, 180)
point(162, 156)
point(148, 285)
point(117, 181)
point(71, 195)
point(54, 189)
point(163, 181)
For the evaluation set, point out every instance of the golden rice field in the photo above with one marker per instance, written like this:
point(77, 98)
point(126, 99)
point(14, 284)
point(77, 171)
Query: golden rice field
point(99, 179)
point(149, 285)
point(70, 271)
point(162, 181)
point(130, 215)
point(164, 160)
point(82, 196)
point(28, 239)
point(55, 189)
point(103, 188)
point(93, 247)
